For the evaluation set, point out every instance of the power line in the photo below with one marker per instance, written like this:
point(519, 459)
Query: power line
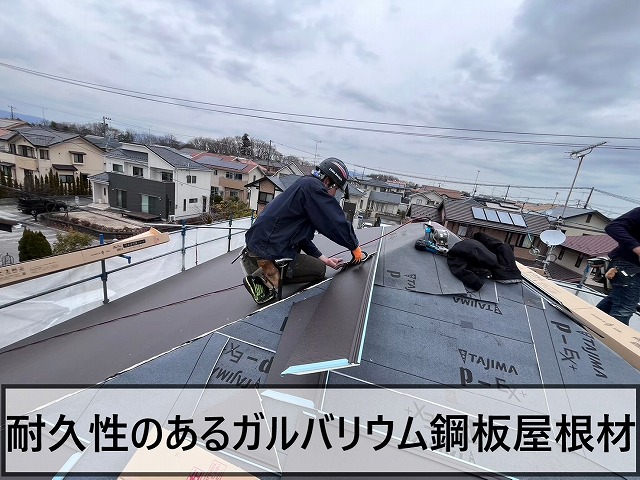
point(193, 104)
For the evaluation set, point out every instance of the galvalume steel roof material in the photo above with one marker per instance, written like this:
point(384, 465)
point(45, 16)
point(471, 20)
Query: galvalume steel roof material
point(422, 329)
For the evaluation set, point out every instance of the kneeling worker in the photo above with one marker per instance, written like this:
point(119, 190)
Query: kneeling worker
point(287, 226)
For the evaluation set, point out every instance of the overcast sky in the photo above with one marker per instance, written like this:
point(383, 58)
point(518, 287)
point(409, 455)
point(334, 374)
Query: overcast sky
point(543, 66)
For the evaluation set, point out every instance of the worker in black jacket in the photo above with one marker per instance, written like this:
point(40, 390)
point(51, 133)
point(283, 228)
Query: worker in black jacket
point(287, 226)
point(623, 300)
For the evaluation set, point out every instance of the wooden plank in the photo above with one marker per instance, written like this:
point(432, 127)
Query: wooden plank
point(21, 272)
point(622, 339)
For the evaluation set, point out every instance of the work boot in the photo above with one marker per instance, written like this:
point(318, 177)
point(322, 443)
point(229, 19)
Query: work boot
point(258, 289)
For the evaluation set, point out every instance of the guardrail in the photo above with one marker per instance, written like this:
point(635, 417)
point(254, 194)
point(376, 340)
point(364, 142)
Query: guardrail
point(34, 305)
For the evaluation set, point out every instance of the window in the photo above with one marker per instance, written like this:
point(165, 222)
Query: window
point(589, 218)
point(254, 178)
point(215, 172)
point(167, 176)
point(419, 201)
point(66, 178)
point(118, 168)
point(234, 193)
point(462, 231)
point(5, 170)
point(77, 157)
point(191, 179)
point(26, 151)
point(104, 191)
point(12, 148)
point(193, 200)
point(138, 172)
point(561, 254)
point(579, 261)
point(184, 205)
point(237, 176)
point(264, 197)
point(228, 175)
point(44, 154)
point(524, 241)
point(214, 191)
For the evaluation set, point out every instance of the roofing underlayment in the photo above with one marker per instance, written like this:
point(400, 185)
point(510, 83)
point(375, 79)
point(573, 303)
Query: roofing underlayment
point(401, 320)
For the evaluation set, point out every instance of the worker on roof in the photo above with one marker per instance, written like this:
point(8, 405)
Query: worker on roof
point(286, 227)
point(624, 273)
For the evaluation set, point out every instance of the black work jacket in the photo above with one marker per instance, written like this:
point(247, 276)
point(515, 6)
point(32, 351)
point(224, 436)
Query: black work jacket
point(288, 223)
point(626, 231)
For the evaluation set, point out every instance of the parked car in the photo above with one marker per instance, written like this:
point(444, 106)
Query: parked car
point(34, 205)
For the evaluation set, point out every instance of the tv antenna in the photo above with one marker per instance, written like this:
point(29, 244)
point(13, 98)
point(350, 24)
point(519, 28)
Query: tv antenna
point(580, 154)
point(551, 238)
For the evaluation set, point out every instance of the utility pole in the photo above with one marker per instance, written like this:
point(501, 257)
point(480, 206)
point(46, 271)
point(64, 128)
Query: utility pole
point(104, 126)
point(586, 204)
point(315, 156)
point(269, 157)
point(580, 154)
point(475, 186)
point(12, 107)
point(507, 192)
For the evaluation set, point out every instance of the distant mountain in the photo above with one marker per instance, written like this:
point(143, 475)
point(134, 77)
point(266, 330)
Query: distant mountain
point(26, 118)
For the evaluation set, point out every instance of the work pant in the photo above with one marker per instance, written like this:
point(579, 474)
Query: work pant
point(303, 269)
point(621, 303)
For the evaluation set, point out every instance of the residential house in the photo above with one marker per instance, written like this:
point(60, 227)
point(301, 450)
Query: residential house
point(434, 196)
point(578, 221)
point(381, 186)
point(520, 230)
point(29, 151)
point(12, 123)
point(290, 168)
point(230, 175)
point(386, 206)
point(572, 255)
point(153, 180)
point(265, 189)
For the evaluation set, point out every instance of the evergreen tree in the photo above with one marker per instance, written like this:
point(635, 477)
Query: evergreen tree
point(33, 245)
point(246, 149)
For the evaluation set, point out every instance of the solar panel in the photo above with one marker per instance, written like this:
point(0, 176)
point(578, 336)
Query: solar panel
point(478, 213)
point(504, 217)
point(518, 220)
point(492, 215)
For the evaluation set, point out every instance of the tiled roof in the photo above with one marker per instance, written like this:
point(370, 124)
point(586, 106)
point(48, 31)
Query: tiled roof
point(460, 211)
point(425, 211)
point(569, 213)
point(176, 159)
point(384, 197)
point(213, 160)
point(102, 177)
point(6, 134)
point(9, 123)
point(103, 143)
point(284, 181)
point(558, 272)
point(592, 245)
point(45, 137)
point(447, 192)
point(374, 183)
point(191, 151)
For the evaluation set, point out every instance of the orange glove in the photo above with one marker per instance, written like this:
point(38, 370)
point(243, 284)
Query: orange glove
point(356, 255)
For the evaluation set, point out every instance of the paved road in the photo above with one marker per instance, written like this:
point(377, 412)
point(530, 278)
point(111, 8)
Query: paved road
point(9, 241)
